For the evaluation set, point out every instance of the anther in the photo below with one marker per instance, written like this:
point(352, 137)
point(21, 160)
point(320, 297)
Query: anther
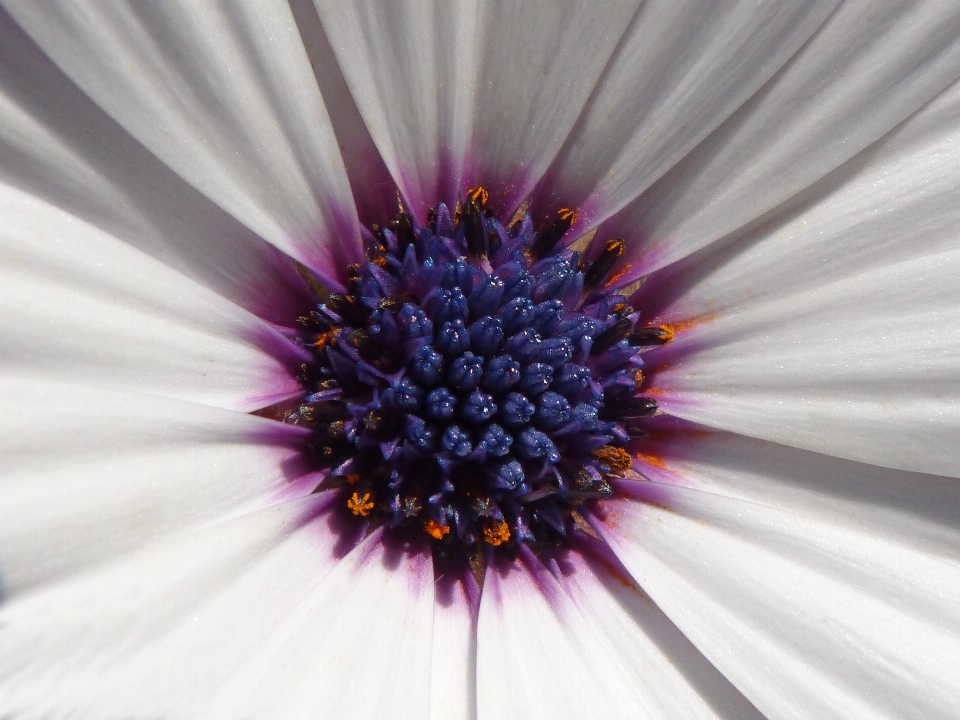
point(617, 459)
point(547, 240)
point(496, 532)
point(473, 231)
point(435, 529)
point(347, 308)
point(594, 276)
point(478, 196)
point(611, 336)
point(616, 408)
point(405, 234)
point(650, 336)
point(360, 505)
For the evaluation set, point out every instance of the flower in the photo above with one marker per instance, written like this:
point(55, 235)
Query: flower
point(784, 176)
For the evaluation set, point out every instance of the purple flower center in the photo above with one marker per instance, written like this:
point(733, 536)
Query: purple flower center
point(475, 382)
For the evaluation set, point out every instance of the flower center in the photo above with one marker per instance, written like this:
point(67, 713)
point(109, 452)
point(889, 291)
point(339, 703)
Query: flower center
point(475, 382)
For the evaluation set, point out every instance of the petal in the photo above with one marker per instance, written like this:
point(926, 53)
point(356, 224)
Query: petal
point(158, 632)
point(488, 91)
point(84, 162)
point(453, 673)
point(798, 341)
point(864, 369)
point(82, 306)
point(226, 97)
point(868, 68)
point(360, 646)
point(680, 71)
point(808, 614)
point(374, 191)
point(90, 473)
point(589, 645)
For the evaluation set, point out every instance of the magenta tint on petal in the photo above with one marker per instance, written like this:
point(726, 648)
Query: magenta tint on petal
point(330, 254)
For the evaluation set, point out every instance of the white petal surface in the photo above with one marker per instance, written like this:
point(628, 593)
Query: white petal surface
point(158, 632)
point(480, 90)
point(453, 670)
point(871, 66)
point(90, 473)
point(680, 70)
point(865, 369)
point(224, 95)
point(360, 646)
point(81, 305)
point(836, 326)
point(806, 615)
point(58, 145)
point(591, 645)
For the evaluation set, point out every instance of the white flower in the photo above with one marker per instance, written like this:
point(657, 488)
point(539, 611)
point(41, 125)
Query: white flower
point(787, 177)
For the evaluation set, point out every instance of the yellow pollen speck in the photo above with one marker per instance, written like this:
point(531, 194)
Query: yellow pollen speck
point(478, 195)
point(496, 532)
point(567, 215)
point(435, 529)
point(615, 458)
point(360, 504)
point(668, 331)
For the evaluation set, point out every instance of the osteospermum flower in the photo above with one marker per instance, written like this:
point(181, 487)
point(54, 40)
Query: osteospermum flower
point(488, 360)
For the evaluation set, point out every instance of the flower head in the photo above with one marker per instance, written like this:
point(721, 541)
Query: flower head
point(479, 360)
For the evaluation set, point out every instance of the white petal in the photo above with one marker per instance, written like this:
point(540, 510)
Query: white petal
point(83, 162)
point(453, 673)
point(160, 631)
point(806, 615)
point(226, 97)
point(589, 645)
point(374, 191)
point(870, 67)
point(537, 66)
point(359, 646)
point(82, 306)
point(912, 510)
point(827, 329)
point(488, 91)
point(679, 72)
point(90, 473)
point(864, 369)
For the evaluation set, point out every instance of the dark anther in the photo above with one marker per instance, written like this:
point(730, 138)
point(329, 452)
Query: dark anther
point(347, 307)
point(432, 220)
point(368, 348)
point(601, 267)
point(325, 412)
point(478, 196)
point(611, 336)
point(473, 230)
point(636, 433)
point(624, 407)
point(650, 336)
point(547, 240)
point(405, 235)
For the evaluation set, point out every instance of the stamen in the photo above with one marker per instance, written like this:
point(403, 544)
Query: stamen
point(496, 532)
point(360, 505)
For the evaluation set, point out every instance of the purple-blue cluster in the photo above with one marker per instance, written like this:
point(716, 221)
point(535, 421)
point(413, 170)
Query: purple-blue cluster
point(475, 381)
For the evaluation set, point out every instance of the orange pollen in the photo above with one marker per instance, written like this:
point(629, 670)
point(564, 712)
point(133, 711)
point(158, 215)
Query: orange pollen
point(435, 529)
point(321, 342)
point(360, 505)
point(615, 458)
point(352, 479)
point(496, 532)
point(567, 215)
point(478, 195)
point(668, 331)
